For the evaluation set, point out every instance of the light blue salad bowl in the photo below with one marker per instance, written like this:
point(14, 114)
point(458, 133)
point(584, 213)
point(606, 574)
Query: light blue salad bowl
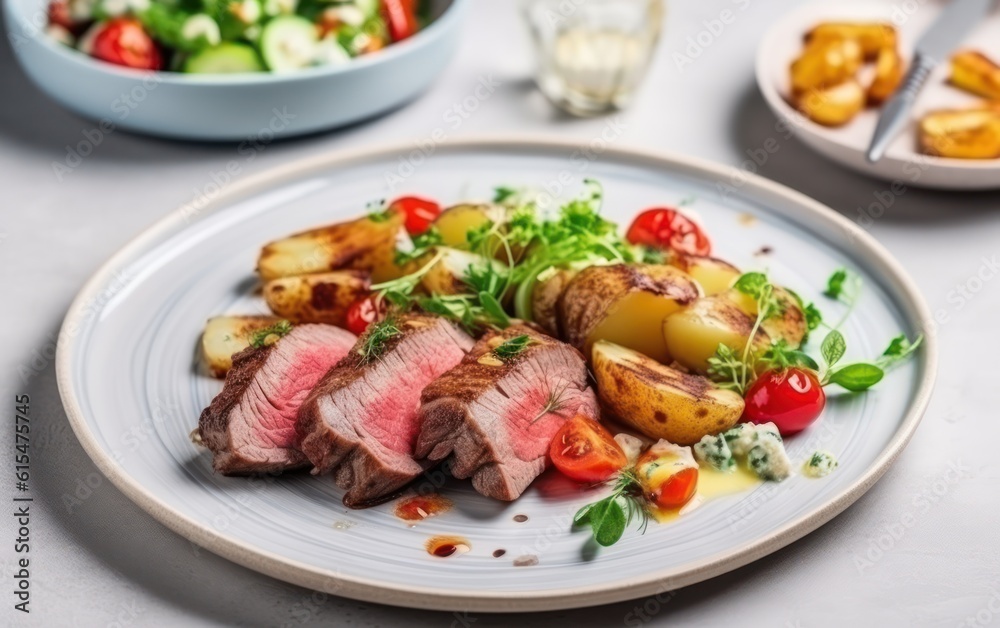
point(232, 107)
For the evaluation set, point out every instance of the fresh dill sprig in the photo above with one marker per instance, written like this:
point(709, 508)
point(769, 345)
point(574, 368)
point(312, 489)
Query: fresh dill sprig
point(270, 335)
point(376, 339)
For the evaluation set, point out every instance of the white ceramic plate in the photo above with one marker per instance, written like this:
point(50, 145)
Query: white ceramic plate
point(847, 144)
point(128, 374)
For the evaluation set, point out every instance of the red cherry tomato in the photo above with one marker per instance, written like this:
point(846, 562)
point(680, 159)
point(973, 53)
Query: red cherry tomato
point(123, 41)
point(59, 15)
point(363, 313)
point(791, 398)
point(666, 228)
point(586, 452)
point(420, 213)
point(401, 18)
point(677, 490)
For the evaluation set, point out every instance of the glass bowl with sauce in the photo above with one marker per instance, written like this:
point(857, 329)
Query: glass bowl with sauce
point(593, 54)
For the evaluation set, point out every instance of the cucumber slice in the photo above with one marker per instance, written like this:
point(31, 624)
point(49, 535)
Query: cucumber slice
point(227, 57)
point(288, 42)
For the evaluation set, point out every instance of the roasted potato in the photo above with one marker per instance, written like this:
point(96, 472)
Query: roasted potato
point(659, 401)
point(624, 304)
point(455, 222)
point(824, 64)
point(961, 133)
point(545, 299)
point(832, 106)
point(319, 298)
point(789, 324)
point(889, 70)
point(975, 72)
point(712, 274)
point(364, 244)
point(873, 37)
point(694, 334)
point(225, 336)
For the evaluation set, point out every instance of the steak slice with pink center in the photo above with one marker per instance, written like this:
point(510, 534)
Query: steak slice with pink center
point(361, 421)
point(250, 425)
point(496, 417)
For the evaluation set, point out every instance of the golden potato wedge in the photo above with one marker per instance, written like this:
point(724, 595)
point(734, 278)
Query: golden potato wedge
point(789, 324)
point(694, 334)
point(976, 73)
point(889, 70)
point(659, 401)
point(871, 36)
point(367, 243)
point(545, 300)
point(624, 304)
point(225, 336)
point(825, 63)
point(961, 133)
point(832, 106)
point(319, 298)
point(712, 274)
point(455, 222)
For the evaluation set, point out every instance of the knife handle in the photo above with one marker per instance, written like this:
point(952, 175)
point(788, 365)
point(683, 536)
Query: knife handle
point(895, 115)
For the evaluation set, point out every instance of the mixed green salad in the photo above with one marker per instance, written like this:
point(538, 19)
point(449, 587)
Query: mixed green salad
point(223, 36)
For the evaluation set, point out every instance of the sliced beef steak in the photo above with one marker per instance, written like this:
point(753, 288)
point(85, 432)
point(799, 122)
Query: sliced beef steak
point(496, 417)
point(361, 420)
point(250, 425)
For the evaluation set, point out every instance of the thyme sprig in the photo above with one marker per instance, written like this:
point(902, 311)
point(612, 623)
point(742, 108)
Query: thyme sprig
point(377, 338)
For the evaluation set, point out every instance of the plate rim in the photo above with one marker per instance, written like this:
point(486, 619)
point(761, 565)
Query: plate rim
point(776, 101)
point(369, 590)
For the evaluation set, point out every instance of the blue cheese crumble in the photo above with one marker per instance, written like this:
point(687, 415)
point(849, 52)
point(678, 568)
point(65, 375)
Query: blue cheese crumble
point(820, 464)
point(714, 451)
point(762, 448)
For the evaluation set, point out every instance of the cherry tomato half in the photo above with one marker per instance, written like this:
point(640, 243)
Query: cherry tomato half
point(585, 451)
point(667, 481)
point(123, 41)
point(401, 18)
point(363, 313)
point(667, 228)
point(791, 398)
point(420, 213)
point(60, 15)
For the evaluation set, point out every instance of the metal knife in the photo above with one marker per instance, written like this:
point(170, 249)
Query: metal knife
point(947, 32)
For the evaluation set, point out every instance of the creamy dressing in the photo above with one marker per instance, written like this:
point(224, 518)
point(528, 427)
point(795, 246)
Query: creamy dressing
point(712, 484)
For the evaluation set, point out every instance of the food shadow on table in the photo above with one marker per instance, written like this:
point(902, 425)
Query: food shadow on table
point(769, 148)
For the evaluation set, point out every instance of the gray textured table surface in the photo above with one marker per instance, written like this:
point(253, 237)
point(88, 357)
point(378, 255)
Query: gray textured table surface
point(102, 561)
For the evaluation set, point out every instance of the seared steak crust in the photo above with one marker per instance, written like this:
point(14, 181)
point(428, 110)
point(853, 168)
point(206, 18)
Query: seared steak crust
point(361, 421)
point(250, 424)
point(496, 417)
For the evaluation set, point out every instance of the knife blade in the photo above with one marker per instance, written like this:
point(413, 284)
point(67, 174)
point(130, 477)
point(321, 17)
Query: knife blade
point(945, 34)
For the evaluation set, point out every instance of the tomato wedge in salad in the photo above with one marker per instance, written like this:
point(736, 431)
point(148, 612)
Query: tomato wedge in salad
point(123, 41)
point(585, 451)
point(400, 17)
point(420, 213)
point(667, 228)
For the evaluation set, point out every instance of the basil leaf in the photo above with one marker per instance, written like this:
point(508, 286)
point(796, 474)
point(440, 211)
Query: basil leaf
point(833, 348)
point(582, 516)
point(800, 358)
point(857, 377)
point(494, 309)
point(752, 284)
point(608, 521)
point(502, 193)
point(835, 284)
point(899, 349)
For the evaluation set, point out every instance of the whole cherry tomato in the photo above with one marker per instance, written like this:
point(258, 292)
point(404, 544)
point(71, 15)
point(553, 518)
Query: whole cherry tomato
point(791, 398)
point(363, 313)
point(420, 213)
point(123, 41)
point(666, 228)
point(401, 18)
point(585, 451)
